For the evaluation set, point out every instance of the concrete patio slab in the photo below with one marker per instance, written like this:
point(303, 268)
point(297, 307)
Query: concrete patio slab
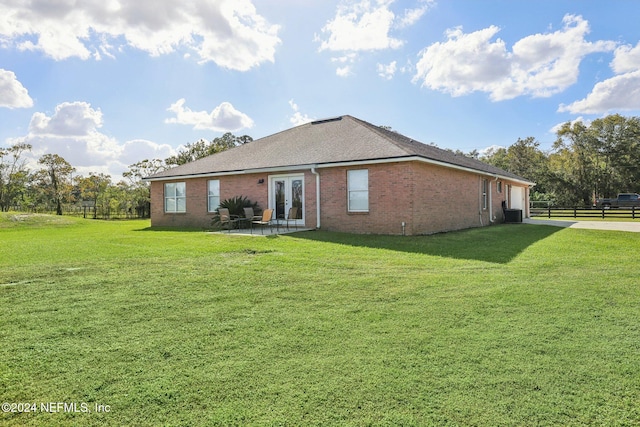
point(267, 231)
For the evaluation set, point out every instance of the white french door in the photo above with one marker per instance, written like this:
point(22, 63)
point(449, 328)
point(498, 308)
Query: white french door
point(286, 192)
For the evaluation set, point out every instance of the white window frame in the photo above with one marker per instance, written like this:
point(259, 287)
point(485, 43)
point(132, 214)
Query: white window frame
point(175, 201)
point(213, 195)
point(357, 188)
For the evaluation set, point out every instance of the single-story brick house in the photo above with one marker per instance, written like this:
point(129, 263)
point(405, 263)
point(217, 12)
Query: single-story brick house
point(343, 174)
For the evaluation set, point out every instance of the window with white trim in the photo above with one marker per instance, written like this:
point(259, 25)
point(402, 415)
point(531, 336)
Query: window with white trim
point(213, 194)
point(358, 190)
point(175, 197)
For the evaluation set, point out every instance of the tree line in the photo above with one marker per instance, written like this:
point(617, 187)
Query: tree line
point(54, 186)
point(598, 159)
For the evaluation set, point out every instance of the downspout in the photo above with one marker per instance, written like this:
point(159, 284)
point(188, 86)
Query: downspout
point(491, 218)
point(317, 174)
point(480, 203)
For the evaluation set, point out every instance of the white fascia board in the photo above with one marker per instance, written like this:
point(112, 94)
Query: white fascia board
point(342, 164)
point(227, 173)
point(424, 160)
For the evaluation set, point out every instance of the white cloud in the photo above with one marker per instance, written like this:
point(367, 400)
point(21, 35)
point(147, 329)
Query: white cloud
point(617, 93)
point(345, 64)
point(580, 119)
point(140, 149)
point(539, 65)
point(223, 118)
point(411, 16)
point(464, 63)
point(361, 26)
point(626, 59)
point(228, 32)
point(298, 118)
point(12, 93)
point(387, 71)
point(366, 26)
point(69, 119)
point(72, 132)
point(489, 151)
point(345, 71)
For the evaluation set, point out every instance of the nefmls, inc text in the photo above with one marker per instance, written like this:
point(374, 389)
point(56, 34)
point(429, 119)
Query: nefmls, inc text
point(82, 407)
point(55, 407)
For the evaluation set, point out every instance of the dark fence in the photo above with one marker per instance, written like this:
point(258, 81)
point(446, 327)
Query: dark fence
point(600, 213)
point(93, 212)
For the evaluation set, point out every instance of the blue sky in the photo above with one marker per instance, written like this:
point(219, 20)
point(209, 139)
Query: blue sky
point(108, 83)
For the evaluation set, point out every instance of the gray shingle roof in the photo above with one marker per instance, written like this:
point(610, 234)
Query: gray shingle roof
point(338, 140)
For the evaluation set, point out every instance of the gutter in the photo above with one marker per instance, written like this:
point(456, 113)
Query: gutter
point(412, 158)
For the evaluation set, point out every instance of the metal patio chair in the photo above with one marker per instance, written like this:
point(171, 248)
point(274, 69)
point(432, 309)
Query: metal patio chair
point(292, 216)
point(266, 218)
point(227, 218)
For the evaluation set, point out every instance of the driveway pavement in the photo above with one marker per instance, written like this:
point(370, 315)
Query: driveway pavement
point(593, 225)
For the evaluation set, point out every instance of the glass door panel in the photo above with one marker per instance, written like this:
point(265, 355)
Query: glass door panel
point(287, 192)
point(296, 196)
point(279, 198)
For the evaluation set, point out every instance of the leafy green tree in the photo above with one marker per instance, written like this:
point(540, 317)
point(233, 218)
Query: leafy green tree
point(525, 159)
point(115, 199)
point(93, 188)
point(616, 142)
point(142, 169)
point(56, 179)
point(496, 157)
point(14, 175)
point(576, 151)
point(202, 148)
point(138, 191)
point(600, 159)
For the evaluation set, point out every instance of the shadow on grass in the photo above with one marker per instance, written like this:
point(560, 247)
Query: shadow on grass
point(496, 244)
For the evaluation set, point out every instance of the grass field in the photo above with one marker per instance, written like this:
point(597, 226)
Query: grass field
point(506, 325)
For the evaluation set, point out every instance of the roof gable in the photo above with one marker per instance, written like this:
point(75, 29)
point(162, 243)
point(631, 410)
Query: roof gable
point(338, 140)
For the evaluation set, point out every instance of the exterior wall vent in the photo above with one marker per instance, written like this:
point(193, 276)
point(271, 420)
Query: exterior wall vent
point(332, 119)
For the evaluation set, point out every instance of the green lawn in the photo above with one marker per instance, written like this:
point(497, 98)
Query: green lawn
point(507, 325)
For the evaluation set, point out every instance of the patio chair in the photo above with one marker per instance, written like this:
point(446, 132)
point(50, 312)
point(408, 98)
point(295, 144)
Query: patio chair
point(292, 215)
point(227, 218)
point(250, 216)
point(264, 220)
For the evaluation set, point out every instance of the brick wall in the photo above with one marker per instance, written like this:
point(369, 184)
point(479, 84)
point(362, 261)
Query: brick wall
point(427, 198)
point(197, 215)
point(390, 199)
point(446, 199)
